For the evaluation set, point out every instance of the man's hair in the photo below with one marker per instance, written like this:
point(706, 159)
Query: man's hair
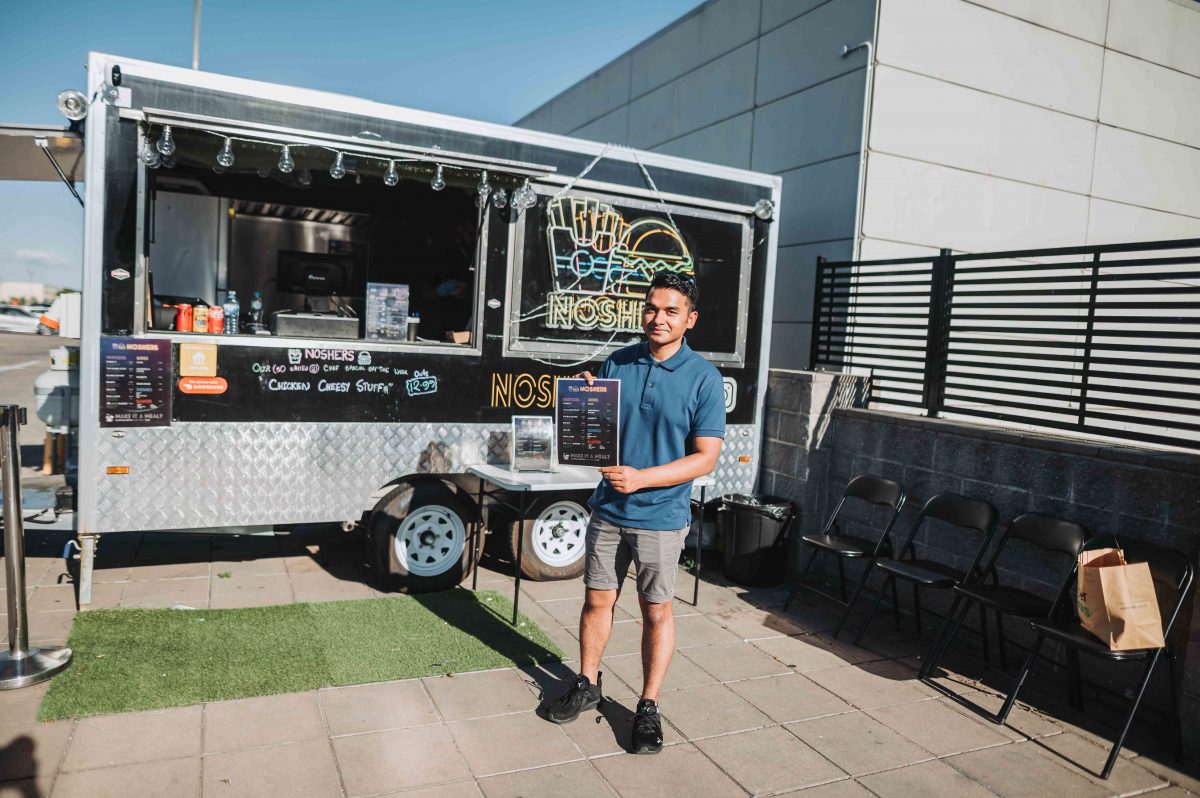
point(684, 285)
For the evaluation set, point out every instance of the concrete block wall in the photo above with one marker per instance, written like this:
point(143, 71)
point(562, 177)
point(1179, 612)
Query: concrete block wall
point(818, 436)
point(755, 84)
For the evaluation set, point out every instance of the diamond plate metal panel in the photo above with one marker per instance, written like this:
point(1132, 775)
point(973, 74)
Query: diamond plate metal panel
point(216, 475)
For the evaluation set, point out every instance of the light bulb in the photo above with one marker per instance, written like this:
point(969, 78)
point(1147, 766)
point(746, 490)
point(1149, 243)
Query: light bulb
point(484, 187)
point(218, 169)
point(166, 142)
point(286, 164)
point(439, 181)
point(168, 161)
point(391, 178)
point(338, 170)
point(264, 173)
point(304, 178)
point(225, 156)
point(524, 197)
point(764, 209)
point(499, 198)
point(150, 156)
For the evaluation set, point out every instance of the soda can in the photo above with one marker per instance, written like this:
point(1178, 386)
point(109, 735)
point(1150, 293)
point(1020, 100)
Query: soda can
point(216, 320)
point(183, 318)
point(200, 319)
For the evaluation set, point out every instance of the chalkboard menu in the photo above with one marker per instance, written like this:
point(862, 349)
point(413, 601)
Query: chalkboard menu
point(587, 421)
point(135, 382)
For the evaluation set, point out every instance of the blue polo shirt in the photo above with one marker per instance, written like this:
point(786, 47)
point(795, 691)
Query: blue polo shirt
point(663, 407)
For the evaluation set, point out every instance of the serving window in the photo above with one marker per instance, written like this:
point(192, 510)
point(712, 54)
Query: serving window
point(347, 258)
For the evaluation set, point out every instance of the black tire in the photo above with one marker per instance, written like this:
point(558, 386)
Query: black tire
point(544, 559)
point(437, 516)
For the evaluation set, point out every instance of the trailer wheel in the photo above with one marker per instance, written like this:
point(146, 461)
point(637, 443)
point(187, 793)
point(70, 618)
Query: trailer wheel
point(554, 537)
point(419, 538)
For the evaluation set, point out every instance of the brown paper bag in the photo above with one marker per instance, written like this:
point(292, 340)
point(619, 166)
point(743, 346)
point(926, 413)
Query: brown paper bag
point(1117, 602)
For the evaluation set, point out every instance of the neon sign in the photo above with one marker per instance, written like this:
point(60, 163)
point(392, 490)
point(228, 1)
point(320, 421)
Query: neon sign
point(602, 265)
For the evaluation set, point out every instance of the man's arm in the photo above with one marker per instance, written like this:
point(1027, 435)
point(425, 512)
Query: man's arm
point(626, 479)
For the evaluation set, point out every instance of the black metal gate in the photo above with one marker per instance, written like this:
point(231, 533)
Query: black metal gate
point(1100, 339)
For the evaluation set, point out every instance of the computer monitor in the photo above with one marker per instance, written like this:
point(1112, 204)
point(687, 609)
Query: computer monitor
point(314, 274)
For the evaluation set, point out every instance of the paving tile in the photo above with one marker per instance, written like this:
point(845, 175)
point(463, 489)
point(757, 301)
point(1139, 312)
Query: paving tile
point(681, 674)
point(459, 789)
point(172, 777)
point(712, 709)
point(566, 611)
point(376, 707)
point(477, 695)
point(922, 780)
point(50, 598)
point(937, 728)
point(109, 740)
point(846, 788)
point(27, 788)
point(400, 759)
point(1022, 723)
point(106, 596)
point(250, 590)
point(511, 742)
point(790, 697)
point(698, 630)
point(1172, 772)
point(752, 624)
point(609, 729)
point(730, 662)
point(577, 779)
point(626, 638)
point(109, 573)
point(857, 743)
point(1087, 759)
point(318, 587)
point(46, 628)
point(679, 769)
point(143, 571)
point(296, 769)
point(545, 591)
point(30, 749)
point(803, 653)
point(267, 720)
point(20, 707)
point(873, 685)
point(1022, 770)
point(167, 593)
point(769, 760)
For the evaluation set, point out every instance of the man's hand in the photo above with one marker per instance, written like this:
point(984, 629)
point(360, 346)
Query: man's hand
point(624, 479)
point(585, 375)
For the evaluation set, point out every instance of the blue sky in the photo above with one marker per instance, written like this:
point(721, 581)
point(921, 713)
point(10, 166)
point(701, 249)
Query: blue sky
point(493, 61)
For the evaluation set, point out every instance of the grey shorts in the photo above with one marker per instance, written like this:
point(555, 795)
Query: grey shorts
point(654, 552)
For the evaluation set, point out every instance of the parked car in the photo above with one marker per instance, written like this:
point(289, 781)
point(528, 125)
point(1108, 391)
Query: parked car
point(17, 319)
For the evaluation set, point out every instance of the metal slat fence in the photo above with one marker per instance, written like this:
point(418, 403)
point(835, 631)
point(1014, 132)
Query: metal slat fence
point(1102, 340)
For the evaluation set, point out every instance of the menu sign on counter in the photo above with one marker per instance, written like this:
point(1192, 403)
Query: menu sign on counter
point(387, 311)
point(136, 376)
point(586, 420)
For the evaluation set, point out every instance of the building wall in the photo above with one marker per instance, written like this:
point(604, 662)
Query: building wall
point(1006, 124)
point(755, 84)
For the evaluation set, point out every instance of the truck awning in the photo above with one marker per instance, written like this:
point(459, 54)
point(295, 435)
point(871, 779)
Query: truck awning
point(21, 157)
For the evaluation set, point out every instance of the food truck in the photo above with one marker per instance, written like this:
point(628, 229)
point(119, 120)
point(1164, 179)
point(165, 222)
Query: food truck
point(303, 307)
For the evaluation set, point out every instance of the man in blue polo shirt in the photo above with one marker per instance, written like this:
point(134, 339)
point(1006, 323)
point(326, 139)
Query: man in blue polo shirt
point(672, 425)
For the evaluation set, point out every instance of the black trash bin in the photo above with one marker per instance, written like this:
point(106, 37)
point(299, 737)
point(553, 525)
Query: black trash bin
point(754, 531)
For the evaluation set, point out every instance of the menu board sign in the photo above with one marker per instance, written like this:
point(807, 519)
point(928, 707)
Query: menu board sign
point(387, 311)
point(532, 442)
point(587, 421)
point(136, 377)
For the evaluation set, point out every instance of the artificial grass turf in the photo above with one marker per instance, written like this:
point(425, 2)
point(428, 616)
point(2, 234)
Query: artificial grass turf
point(129, 660)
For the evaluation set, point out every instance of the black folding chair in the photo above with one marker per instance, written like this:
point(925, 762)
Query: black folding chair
point(1046, 533)
point(957, 511)
point(873, 490)
point(1169, 569)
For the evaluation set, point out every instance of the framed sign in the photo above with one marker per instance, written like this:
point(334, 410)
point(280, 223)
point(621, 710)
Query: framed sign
point(587, 422)
point(533, 443)
point(136, 376)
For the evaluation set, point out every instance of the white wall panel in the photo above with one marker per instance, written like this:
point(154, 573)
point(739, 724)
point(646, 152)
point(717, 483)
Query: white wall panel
point(1161, 31)
point(979, 131)
point(977, 47)
point(1113, 223)
point(939, 206)
point(1152, 99)
point(1083, 18)
point(701, 36)
point(875, 249)
point(1144, 171)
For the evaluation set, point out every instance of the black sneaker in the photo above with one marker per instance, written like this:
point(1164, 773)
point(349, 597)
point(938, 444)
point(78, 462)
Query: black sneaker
point(647, 728)
point(581, 695)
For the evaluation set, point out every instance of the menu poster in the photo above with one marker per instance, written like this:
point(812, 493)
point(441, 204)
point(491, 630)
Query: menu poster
point(587, 419)
point(387, 311)
point(136, 375)
point(532, 442)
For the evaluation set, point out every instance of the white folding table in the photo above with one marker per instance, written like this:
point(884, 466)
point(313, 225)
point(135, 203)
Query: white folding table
point(565, 478)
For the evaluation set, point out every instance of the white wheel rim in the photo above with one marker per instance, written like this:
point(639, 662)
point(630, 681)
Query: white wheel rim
point(431, 540)
point(558, 534)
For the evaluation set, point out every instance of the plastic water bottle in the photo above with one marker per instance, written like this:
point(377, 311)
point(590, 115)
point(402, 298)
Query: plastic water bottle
point(256, 312)
point(232, 313)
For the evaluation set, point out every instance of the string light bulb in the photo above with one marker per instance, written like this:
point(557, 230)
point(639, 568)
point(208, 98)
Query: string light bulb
point(499, 198)
point(304, 178)
point(149, 155)
point(168, 161)
point(225, 156)
point(484, 187)
point(338, 170)
point(390, 178)
point(439, 180)
point(764, 209)
point(524, 197)
point(166, 142)
point(286, 164)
